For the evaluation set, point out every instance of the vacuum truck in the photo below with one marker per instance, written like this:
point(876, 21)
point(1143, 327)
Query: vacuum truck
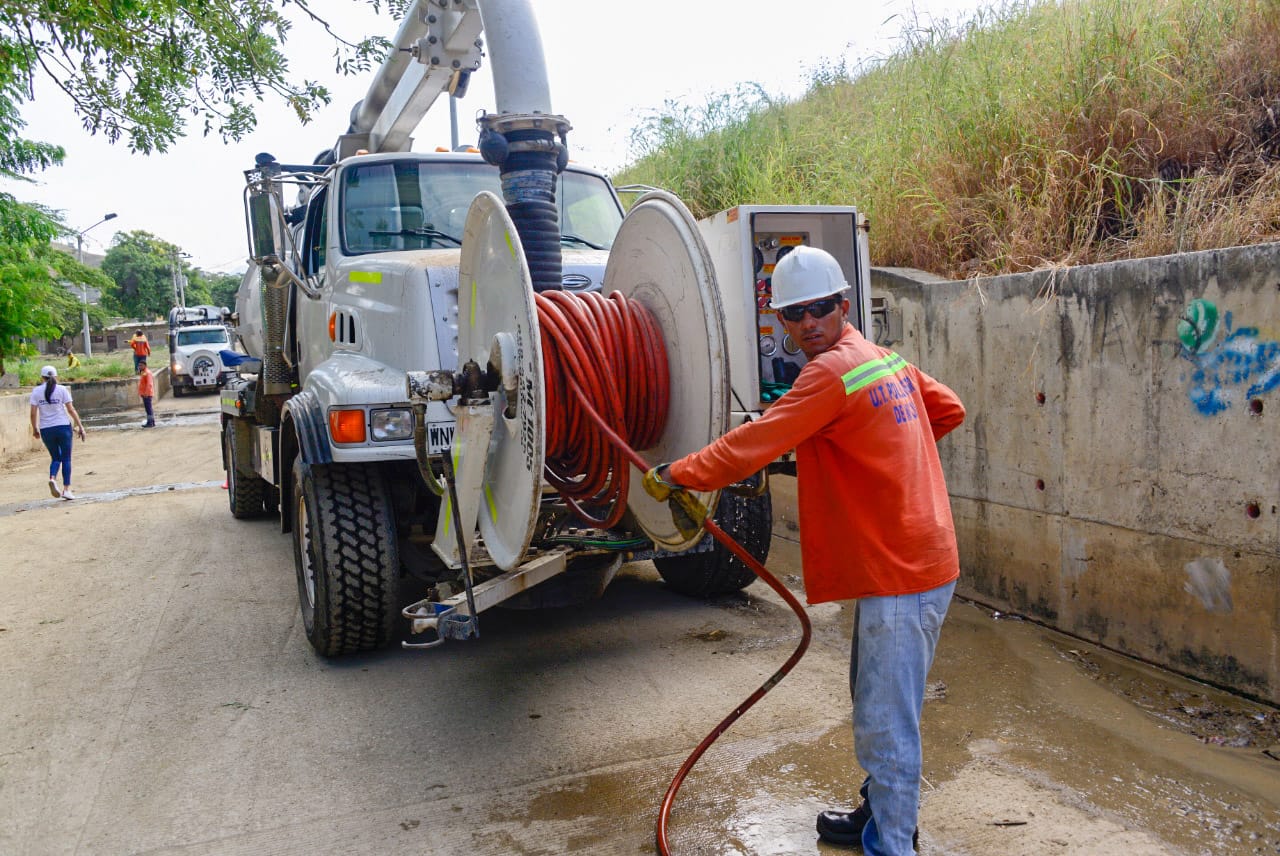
point(392, 406)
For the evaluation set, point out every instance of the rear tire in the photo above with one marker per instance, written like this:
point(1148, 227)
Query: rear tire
point(245, 493)
point(344, 551)
point(749, 521)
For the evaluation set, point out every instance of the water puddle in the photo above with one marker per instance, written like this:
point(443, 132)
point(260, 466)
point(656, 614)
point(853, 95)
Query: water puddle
point(105, 496)
point(128, 420)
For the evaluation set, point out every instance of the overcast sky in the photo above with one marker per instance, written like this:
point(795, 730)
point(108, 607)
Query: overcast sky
point(610, 65)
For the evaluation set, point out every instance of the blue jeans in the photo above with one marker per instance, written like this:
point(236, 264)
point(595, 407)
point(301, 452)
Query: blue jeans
point(893, 643)
point(58, 441)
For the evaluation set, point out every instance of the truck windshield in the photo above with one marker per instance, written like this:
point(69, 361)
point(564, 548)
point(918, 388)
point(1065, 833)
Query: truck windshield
point(412, 204)
point(202, 337)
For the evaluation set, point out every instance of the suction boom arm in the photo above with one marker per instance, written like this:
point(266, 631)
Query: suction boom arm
point(435, 50)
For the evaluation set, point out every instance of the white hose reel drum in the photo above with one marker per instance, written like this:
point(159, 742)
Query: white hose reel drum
point(658, 259)
point(498, 323)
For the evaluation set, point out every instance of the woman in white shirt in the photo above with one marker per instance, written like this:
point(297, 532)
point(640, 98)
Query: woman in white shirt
point(52, 414)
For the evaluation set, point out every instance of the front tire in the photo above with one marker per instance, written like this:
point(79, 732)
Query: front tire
point(344, 551)
point(749, 521)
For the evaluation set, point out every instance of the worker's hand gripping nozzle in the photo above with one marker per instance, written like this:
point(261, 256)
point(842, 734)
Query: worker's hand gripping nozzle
point(658, 487)
point(686, 512)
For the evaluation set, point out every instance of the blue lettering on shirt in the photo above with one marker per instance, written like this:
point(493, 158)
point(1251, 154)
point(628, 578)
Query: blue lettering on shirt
point(896, 390)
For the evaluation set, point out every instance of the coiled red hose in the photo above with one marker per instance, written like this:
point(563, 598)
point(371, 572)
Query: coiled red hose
point(610, 350)
point(607, 389)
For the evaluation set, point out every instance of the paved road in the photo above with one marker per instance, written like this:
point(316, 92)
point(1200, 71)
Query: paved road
point(159, 696)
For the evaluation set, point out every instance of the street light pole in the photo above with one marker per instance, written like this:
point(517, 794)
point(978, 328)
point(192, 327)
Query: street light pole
point(179, 278)
point(84, 289)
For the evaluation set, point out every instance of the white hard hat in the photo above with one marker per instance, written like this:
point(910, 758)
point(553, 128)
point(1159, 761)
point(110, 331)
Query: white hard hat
point(804, 274)
point(48, 371)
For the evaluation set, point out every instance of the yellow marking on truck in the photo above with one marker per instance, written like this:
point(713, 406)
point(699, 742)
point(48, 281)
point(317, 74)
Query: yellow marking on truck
point(511, 248)
point(447, 511)
point(493, 507)
point(372, 277)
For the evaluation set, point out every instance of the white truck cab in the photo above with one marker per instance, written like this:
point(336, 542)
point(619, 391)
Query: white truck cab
point(197, 338)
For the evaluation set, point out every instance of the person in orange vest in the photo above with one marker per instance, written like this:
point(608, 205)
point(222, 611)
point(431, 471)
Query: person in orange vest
point(141, 348)
point(875, 525)
point(146, 391)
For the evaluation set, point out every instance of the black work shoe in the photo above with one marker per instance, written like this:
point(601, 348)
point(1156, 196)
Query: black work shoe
point(845, 827)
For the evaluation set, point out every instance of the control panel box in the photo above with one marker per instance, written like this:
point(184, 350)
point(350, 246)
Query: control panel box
point(745, 243)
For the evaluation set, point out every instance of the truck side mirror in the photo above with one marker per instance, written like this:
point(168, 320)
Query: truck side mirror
point(262, 233)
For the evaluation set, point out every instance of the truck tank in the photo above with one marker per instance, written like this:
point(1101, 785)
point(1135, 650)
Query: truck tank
point(249, 313)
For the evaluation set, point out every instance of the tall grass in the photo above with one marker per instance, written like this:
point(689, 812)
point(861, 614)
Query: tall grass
point(1034, 134)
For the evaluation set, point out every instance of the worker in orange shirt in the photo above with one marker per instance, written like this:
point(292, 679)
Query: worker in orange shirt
point(147, 391)
point(141, 348)
point(875, 525)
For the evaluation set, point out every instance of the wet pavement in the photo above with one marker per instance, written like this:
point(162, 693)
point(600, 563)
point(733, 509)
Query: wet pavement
point(168, 417)
point(160, 697)
point(105, 496)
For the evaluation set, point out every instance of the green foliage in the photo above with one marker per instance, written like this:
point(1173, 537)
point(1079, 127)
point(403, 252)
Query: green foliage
point(710, 155)
point(222, 288)
point(33, 301)
point(141, 70)
point(142, 266)
point(197, 289)
point(24, 310)
point(24, 224)
point(1041, 133)
point(68, 278)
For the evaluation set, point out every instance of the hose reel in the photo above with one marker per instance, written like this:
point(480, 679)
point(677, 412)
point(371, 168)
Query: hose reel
point(665, 283)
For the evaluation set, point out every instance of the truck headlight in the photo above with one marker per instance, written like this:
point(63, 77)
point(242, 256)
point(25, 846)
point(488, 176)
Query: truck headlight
point(176, 366)
point(391, 424)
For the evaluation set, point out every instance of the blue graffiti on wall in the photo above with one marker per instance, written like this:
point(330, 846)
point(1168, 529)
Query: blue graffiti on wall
point(1241, 366)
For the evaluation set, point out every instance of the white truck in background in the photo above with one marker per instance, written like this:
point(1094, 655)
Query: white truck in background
point(352, 297)
point(197, 337)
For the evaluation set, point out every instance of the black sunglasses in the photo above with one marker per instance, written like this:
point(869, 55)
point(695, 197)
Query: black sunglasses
point(817, 308)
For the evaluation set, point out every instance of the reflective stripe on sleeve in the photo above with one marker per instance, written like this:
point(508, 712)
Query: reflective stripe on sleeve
point(871, 371)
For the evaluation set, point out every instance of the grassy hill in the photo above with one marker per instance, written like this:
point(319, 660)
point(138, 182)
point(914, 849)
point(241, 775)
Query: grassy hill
point(1035, 134)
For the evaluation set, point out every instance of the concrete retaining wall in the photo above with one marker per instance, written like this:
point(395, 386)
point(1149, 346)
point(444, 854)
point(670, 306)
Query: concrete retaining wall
point(1117, 477)
point(89, 398)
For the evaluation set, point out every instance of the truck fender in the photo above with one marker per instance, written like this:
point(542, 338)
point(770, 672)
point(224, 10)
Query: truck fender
point(305, 416)
point(303, 434)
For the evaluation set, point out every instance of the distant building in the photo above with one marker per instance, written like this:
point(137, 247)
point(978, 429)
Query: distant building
point(93, 260)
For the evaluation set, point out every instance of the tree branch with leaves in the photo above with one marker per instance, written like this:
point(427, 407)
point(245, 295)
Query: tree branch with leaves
point(141, 72)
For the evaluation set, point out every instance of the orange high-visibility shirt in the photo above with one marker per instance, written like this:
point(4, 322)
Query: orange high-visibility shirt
point(875, 518)
point(146, 383)
point(141, 347)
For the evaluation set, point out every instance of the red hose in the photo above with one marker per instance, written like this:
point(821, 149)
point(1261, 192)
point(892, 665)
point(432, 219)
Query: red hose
point(603, 349)
point(609, 353)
